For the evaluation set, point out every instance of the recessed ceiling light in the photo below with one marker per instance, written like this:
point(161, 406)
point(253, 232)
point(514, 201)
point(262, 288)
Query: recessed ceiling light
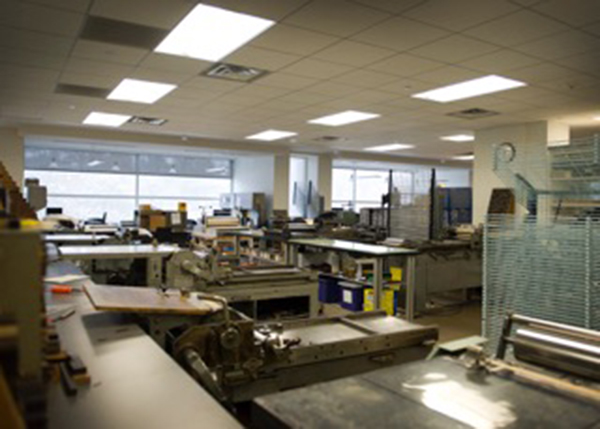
point(596, 118)
point(459, 138)
point(211, 33)
point(389, 147)
point(95, 163)
point(140, 91)
point(106, 119)
point(467, 157)
point(343, 118)
point(470, 88)
point(270, 135)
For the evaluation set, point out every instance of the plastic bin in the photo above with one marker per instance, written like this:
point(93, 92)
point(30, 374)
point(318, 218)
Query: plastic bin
point(389, 301)
point(329, 289)
point(352, 296)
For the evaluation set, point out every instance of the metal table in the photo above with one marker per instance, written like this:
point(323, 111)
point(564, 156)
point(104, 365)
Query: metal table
point(76, 239)
point(154, 255)
point(135, 384)
point(375, 252)
point(434, 394)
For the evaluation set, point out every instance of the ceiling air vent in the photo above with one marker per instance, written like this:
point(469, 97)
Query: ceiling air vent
point(80, 90)
point(329, 139)
point(233, 72)
point(144, 120)
point(474, 113)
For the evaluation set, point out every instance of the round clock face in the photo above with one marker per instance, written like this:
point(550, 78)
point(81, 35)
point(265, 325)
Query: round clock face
point(506, 151)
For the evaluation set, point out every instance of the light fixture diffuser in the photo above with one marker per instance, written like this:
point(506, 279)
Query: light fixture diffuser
point(106, 119)
point(470, 88)
point(211, 33)
point(343, 118)
point(271, 135)
point(389, 147)
point(467, 157)
point(140, 91)
point(459, 138)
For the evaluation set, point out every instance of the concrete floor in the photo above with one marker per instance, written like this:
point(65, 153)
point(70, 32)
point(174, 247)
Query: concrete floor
point(453, 322)
point(456, 322)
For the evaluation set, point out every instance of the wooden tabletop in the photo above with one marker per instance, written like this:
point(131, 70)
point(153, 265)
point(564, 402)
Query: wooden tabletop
point(128, 299)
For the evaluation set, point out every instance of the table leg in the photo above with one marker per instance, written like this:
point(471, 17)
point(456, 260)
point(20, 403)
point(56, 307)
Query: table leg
point(378, 282)
point(154, 271)
point(410, 288)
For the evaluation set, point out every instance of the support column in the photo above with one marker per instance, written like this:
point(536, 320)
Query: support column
point(281, 185)
point(531, 139)
point(325, 178)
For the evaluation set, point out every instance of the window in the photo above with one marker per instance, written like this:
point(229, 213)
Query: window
point(355, 189)
point(87, 184)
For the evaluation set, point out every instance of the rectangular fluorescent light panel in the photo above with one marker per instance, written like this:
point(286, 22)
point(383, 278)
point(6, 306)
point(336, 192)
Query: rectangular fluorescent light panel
point(470, 88)
point(389, 147)
point(459, 138)
point(106, 119)
point(271, 135)
point(464, 157)
point(211, 33)
point(140, 91)
point(343, 118)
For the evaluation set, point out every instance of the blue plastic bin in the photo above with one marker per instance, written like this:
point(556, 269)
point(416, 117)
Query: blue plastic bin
point(352, 296)
point(329, 290)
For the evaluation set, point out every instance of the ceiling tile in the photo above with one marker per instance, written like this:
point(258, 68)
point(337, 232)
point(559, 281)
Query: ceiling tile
point(214, 84)
point(400, 34)
point(458, 15)
point(393, 6)
point(269, 9)
point(31, 58)
point(80, 6)
point(260, 92)
point(30, 78)
point(305, 97)
point(561, 45)
point(542, 72)
point(364, 78)
point(333, 89)
point(91, 80)
point(286, 80)
point(108, 53)
point(593, 28)
point(516, 28)
point(288, 39)
point(152, 13)
point(261, 58)
point(448, 75)
point(574, 13)
point(353, 53)
point(160, 75)
point(316, 68)
point(454, 49)
point(337, 17)
point(500, 61)
point(587, 62)
point(405, 65)
point(80, 65)
point(174, 63)
point(18, 14)
point(405, 87)
point(34, 41)
point(372, 96)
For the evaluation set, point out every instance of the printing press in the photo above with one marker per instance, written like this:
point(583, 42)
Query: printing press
point(543, 374)
point(236, 358)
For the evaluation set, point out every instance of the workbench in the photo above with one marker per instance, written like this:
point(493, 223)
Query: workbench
point(76, 239)
point(439, 393)
point(135, 384)
point(375, 252)
point(154, 255)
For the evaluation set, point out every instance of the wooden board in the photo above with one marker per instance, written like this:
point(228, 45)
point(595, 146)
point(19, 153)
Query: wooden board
point(147, 300)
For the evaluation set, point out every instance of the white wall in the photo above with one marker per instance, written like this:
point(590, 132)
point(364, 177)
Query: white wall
point(454, 178)
point(12, 153)
point(530, 141)
point(254, 174)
